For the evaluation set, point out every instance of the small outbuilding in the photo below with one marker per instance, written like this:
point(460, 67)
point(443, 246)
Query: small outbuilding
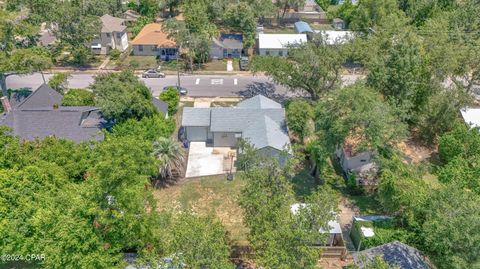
point(302, 27)
point(338, 24)
point(471, 116)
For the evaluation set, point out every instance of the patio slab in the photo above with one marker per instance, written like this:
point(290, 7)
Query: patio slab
point(206, 161)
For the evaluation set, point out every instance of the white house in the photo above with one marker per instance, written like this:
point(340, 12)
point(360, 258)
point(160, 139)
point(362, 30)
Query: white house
point(112, 36)
point(471, 116)
point(278, 44)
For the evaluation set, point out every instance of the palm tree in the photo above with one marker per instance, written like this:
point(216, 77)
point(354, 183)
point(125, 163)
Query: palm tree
point(170, 155)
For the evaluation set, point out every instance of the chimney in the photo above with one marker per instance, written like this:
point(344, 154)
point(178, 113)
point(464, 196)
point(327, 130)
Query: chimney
point(6, 104)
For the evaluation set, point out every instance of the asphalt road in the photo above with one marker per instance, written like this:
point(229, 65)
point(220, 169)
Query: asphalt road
point(197, 85)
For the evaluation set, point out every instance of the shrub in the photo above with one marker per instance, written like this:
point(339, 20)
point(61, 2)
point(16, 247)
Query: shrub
point(386, 231)
point(172, 98)
point(59, 82)
point(78, 97)
point(114, 54)
point(148, 128)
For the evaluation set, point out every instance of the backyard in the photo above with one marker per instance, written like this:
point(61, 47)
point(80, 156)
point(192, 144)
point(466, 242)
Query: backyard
point(212, 195)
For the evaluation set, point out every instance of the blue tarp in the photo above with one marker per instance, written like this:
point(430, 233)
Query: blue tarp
point(302, 27)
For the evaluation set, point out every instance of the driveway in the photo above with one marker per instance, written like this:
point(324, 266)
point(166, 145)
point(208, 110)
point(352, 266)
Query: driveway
point(207, 161)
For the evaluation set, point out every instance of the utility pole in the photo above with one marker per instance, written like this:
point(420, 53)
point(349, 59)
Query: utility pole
point(178, 65)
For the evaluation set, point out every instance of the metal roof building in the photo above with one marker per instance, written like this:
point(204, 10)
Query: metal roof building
point(302, 27)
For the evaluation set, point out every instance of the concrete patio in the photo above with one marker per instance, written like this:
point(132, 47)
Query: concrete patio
point(206, 161)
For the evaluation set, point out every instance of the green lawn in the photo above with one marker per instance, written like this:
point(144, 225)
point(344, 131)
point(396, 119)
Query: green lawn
point(212, 195)
point(280, 30)
point(138, 62)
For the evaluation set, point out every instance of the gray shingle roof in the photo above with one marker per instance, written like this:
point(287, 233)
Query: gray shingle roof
point(36, 117)
point(259, 101)
point(112, 24)
point(238, 119)
point(229, 41)
point(195, 116)
point(395, 254)
point(160, 105)
point(265, 132)
point(259, 119)
point(44, 96)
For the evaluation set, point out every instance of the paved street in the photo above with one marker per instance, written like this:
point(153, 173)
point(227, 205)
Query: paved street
point(197, 85)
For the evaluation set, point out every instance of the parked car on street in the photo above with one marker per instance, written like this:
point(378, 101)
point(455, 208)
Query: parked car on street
point(152, 73)
point(244, 63)
point(181, 90)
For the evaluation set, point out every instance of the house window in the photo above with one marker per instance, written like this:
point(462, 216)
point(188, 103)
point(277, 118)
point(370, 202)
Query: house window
point(154, 48)
point(280, 53)
point(267, 52)
point(363, 161)
point(119, 35)
point(108, 34)
point(140, 47)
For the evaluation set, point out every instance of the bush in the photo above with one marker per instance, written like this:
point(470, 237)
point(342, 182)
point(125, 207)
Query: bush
point(172, 98)
point(59, 82)
point(78, 97)
point(114, 54)
point(148, 128)
point(386, 231)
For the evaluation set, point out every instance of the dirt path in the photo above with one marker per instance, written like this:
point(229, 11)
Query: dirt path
point(348, 210)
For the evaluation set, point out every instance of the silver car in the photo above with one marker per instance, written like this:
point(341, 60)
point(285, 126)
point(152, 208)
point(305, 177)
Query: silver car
point(152, 73)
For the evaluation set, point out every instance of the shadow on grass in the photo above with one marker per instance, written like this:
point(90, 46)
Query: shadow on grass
point(303, 184)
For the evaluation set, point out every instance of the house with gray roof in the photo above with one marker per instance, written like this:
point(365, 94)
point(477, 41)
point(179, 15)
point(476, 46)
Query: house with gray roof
point(396, 254)
point(227, 46)
point(39, 114)
point(258, 120)
point(113, 35)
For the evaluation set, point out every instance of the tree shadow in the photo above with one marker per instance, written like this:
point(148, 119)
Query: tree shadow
point(266, 89)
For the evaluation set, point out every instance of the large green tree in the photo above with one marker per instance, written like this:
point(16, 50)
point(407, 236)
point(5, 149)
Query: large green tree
point(313, 68)
point(280, 238)
point(357, 113)
point(451, 228)
point(122, 96)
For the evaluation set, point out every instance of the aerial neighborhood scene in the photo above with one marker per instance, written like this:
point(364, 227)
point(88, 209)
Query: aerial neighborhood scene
point(246, 134)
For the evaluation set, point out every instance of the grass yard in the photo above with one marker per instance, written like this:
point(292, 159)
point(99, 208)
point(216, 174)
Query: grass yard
point(138, 62)
point(220, 65)
point(212, 195)
point(280, 30)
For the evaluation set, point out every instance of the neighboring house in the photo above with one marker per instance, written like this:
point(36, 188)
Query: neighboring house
point(227, 46)
point(152, 41)
point(335, 37)
point(131, 16)
point(310, 6)
point(335, 237)
point(302, 27)
point(113, 36)
point(46, 36)
point(39, 114)
point(471, 116)
point(361, 165)
point(258, 120)
point(338, 24)
point(396, 254)
point(278, 44)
